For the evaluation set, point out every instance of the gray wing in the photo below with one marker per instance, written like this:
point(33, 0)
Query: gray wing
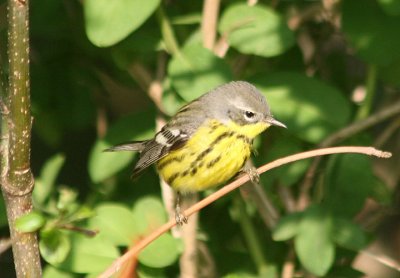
point(172, 136)
point(165, 141)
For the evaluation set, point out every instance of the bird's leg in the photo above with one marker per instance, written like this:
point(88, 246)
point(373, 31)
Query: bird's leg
point(179, 217)
point(251, 171)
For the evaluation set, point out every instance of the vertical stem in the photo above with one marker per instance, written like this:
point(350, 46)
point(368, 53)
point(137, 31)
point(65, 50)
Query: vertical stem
point(250, 236)
point(167, 32)
point(17, 180)
point(209, 22)
point(365, 109)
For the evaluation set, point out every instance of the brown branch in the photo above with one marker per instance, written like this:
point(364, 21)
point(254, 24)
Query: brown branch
point(133, 252)
point(209, 22)
point(335, 138)
point(17, 180)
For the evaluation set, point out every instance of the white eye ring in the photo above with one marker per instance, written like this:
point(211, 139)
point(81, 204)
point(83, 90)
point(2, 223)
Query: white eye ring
point(249, 115)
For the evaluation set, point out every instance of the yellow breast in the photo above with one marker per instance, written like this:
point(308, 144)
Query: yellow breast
point(213, 155)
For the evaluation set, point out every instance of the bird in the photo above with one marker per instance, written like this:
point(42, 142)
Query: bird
point(207, 142)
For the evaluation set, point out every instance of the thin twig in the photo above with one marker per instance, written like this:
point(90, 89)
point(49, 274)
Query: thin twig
point(147, 83)
point(384, 136)
point(337, 137)
point(117, 264)
point(289, 264)
point(383, 260)
point(252, 2)
point(287, 198)
point(209, 22)
point(269, 214)
point(5, 244)
point(222, 46)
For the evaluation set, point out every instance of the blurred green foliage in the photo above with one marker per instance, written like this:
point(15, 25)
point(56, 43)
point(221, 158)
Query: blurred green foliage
point(92, 64)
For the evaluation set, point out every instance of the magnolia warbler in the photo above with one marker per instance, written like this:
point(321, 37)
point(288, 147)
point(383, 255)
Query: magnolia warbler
point(208, 141)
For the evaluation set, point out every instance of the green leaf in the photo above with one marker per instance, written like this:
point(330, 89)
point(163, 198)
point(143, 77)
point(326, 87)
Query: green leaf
point(149, 213)
point(30, 222)
point(391, 7)
point(172, 102)
point(54, 246)
point(83, 212)
point(310, 108)
point(349, 182)
point(150, 272)
point(348, 235)
point(373, 33)
point(67, 199)
point(242, 275)
point(257, 30)
point(381, 193)
point(44, 184)
point(52, 272)
point(287, 227)
point(89, 255)
point(108, 22)
point(390, 73)
point(102, 164)
point(344, 272)
point(187, 19)
point(313, 243)
point(116, 223)
point(160, 253)
point(196, 70)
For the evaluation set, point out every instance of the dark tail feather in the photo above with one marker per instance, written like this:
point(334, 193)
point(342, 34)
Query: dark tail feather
point(135, 146)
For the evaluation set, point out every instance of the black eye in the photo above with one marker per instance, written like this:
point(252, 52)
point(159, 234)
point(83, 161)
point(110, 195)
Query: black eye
point(249, 114)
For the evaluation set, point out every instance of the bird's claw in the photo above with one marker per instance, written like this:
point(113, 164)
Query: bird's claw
point(253, 175)
point(180, 218)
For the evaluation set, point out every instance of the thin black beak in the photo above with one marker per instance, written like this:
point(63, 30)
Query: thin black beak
point(274, 122)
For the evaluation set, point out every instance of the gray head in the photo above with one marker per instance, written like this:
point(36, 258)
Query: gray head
point(241, 102)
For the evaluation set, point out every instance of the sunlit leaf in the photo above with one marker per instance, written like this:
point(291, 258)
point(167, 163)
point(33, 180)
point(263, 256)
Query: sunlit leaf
point(313, 243)
point(287, 227)
point(102, 164)
point(162, 252)
point(108, 22)
point(30, 222)
point(89, 255)
point(44, 184)
point(52, 272)
point(196, 70)
point(149, 213)
point(257, 30)
point(54, 246)
point(116, 223)
point(310, 108)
